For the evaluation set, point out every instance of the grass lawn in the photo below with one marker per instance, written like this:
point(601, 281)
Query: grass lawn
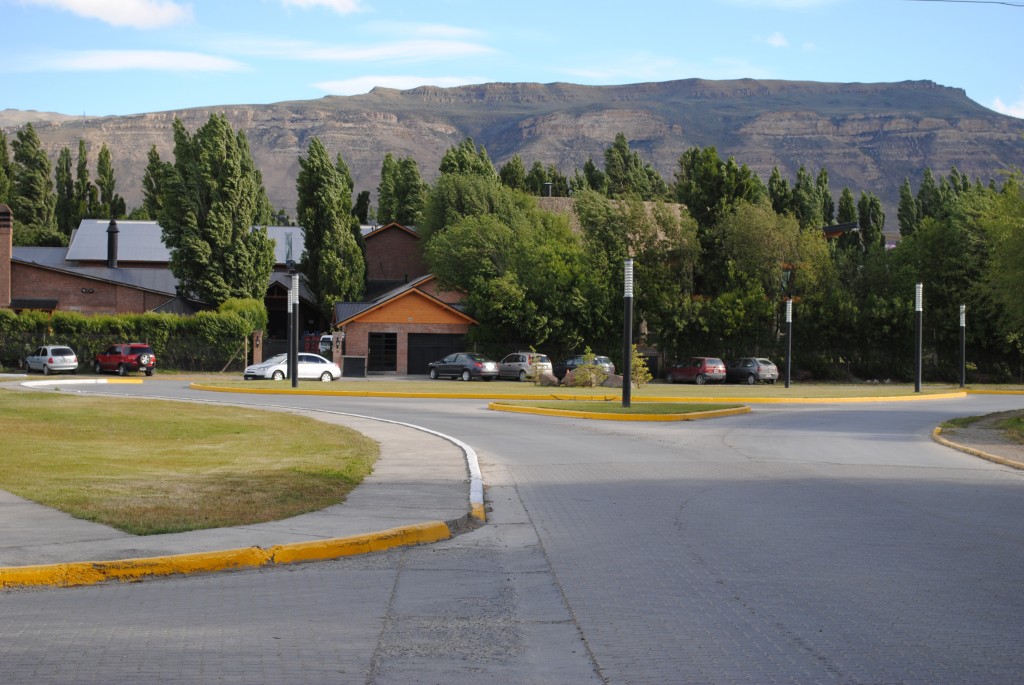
point(146, 466)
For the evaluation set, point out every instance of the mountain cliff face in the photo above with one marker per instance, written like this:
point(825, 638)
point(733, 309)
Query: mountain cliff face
point(868, 136)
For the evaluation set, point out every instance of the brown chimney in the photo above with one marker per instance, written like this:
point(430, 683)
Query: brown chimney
point(112, 232)
point(6, 243)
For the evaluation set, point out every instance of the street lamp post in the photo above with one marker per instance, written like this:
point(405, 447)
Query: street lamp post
point(627, 336)
point(963, 345)
point(918, 310)
point(293, 313)
point(789, 338)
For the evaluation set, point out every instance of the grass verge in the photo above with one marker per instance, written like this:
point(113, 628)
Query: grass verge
point(149, 467)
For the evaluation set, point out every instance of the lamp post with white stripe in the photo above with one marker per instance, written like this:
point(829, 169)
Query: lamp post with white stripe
point(918, 310)
point(963, 345)
point(627, 336)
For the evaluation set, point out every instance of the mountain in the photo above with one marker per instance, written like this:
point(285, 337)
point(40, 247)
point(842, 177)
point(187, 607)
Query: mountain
point(868, 136)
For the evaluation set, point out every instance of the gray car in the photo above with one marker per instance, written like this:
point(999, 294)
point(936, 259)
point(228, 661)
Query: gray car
point(751, 370)
point(52, 359)
point(523, 365)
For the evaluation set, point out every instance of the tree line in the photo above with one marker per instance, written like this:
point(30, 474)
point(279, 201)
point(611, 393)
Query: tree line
point(717, 250)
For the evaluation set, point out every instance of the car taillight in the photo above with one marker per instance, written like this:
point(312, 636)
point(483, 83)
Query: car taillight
point(49, 360)
point(477, 364)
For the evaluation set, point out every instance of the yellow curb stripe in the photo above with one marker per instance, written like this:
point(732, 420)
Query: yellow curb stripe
point(478, 512)
point(937, 437)
point(92, 572)
point(572, 413)
point(995, 392)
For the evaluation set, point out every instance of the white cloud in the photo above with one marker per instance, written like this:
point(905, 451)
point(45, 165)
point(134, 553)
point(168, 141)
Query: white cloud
point(777, 40)
point(140, 14)
point(1015, 109)
point(123, 60)
point(365, 84)
point(339, 6)
point(431, 30)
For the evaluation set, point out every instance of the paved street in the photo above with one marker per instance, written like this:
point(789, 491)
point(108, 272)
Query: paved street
point(798, 544)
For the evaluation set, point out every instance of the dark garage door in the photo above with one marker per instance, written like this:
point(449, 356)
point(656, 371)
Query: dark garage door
point(428, 347)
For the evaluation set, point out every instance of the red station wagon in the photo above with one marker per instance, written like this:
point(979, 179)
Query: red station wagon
point(699, 370)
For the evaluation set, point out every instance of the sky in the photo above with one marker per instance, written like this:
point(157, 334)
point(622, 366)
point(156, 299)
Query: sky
point(104, 57)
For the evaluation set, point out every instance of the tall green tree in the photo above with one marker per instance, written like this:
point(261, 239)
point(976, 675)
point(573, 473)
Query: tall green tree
point(779, 192)
point(111, 204)
point(466, 158)
point(5, 170)
point(846, 214)
point(86, 197)
point(215, 215)
point(401, 191)
point(152, 183)
point(710, 186)
point(66, 209)
point(1003, 221)
point(929, 199)
point(828, 205)
point(871, 219)
point(807, 201)
point(627, 173)
point(906, 211)
point(32, 198)
point(361, 207)
point(513, 173)
point(331, 260)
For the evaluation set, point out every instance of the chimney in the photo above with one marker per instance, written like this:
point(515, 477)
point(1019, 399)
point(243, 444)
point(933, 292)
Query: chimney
point(6, 243)
point(112, 232)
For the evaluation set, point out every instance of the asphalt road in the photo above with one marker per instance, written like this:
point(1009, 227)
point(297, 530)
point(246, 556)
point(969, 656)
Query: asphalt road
point(797, 544)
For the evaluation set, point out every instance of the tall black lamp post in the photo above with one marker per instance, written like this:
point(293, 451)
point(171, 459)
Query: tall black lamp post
point(293, 314)
point(918, 311)
point(963, 345)
point(627, 336)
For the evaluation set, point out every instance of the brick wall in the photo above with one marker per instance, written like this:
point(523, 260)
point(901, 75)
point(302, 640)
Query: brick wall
point(100, 297)
point(357, 337)
point(394, 254)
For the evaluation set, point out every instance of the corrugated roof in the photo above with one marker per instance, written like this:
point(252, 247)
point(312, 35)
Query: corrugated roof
point(141, 241)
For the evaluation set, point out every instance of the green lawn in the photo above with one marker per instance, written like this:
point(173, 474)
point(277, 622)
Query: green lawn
point(147, 466)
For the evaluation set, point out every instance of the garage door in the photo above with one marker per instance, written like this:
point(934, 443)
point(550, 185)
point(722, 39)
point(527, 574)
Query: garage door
point(428, 347)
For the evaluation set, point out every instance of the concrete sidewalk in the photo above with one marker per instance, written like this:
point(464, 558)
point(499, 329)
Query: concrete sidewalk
point(419, 491)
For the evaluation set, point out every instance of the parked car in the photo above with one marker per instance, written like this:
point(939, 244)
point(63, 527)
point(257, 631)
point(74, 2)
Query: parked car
point(751, 370)
point(52, 359)
point(523, 365)
point(326, 341)
point(125, 357)
point(465, 365)
point(576, 361)
point(699, 370)
point(310, 366)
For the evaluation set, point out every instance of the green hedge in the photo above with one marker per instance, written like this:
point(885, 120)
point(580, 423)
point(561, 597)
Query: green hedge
point(208, 341)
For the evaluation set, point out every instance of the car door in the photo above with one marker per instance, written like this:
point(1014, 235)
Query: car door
point(33, 360)
point(510, 365)
point(310, 366)
point(447, 367)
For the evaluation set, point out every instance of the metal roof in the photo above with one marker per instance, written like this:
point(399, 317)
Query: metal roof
point(141, 241)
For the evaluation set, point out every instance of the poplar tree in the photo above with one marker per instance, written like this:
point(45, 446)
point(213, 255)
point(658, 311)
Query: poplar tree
point(331, 260)
point(66, 209)
point(215, 215)
point(906, 211)
point(152, 183)
point(5, 170)
point(111, 204)
point(85, 192)
point(401, 192)
point(31, 196)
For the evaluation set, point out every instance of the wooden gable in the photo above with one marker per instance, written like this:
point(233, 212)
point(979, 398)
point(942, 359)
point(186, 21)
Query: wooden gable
point(412, 307)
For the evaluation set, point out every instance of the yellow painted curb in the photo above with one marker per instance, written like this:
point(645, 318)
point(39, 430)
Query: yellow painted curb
point(92, 572)
point(478, 512)
point(995, 392)
point(571, 413)
point(937, 437)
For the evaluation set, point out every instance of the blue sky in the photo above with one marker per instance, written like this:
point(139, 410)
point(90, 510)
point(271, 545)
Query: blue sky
point(100, 57)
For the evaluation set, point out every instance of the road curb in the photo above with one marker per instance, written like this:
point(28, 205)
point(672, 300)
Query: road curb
point(937, 437)
point(576, 414)
point(127, 570)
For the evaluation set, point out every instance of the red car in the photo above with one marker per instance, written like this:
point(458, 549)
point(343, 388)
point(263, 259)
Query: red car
point(699, 370)
point(126, 357)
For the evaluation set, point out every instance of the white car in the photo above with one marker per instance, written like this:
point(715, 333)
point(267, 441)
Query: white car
point(311, 366)
point(52, 359)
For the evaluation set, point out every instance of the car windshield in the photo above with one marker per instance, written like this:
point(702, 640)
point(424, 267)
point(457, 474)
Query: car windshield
point(277, 359)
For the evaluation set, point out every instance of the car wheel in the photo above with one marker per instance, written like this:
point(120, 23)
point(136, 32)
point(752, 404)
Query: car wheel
point(326, 377)
point(149, 372)
point(278, 375)
point(522, 375)
point(465, 375)
point(122, 370)
point(46, 370)
point(97, 368)
point(700, 379)
point(433, 374)
point(751, 379)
